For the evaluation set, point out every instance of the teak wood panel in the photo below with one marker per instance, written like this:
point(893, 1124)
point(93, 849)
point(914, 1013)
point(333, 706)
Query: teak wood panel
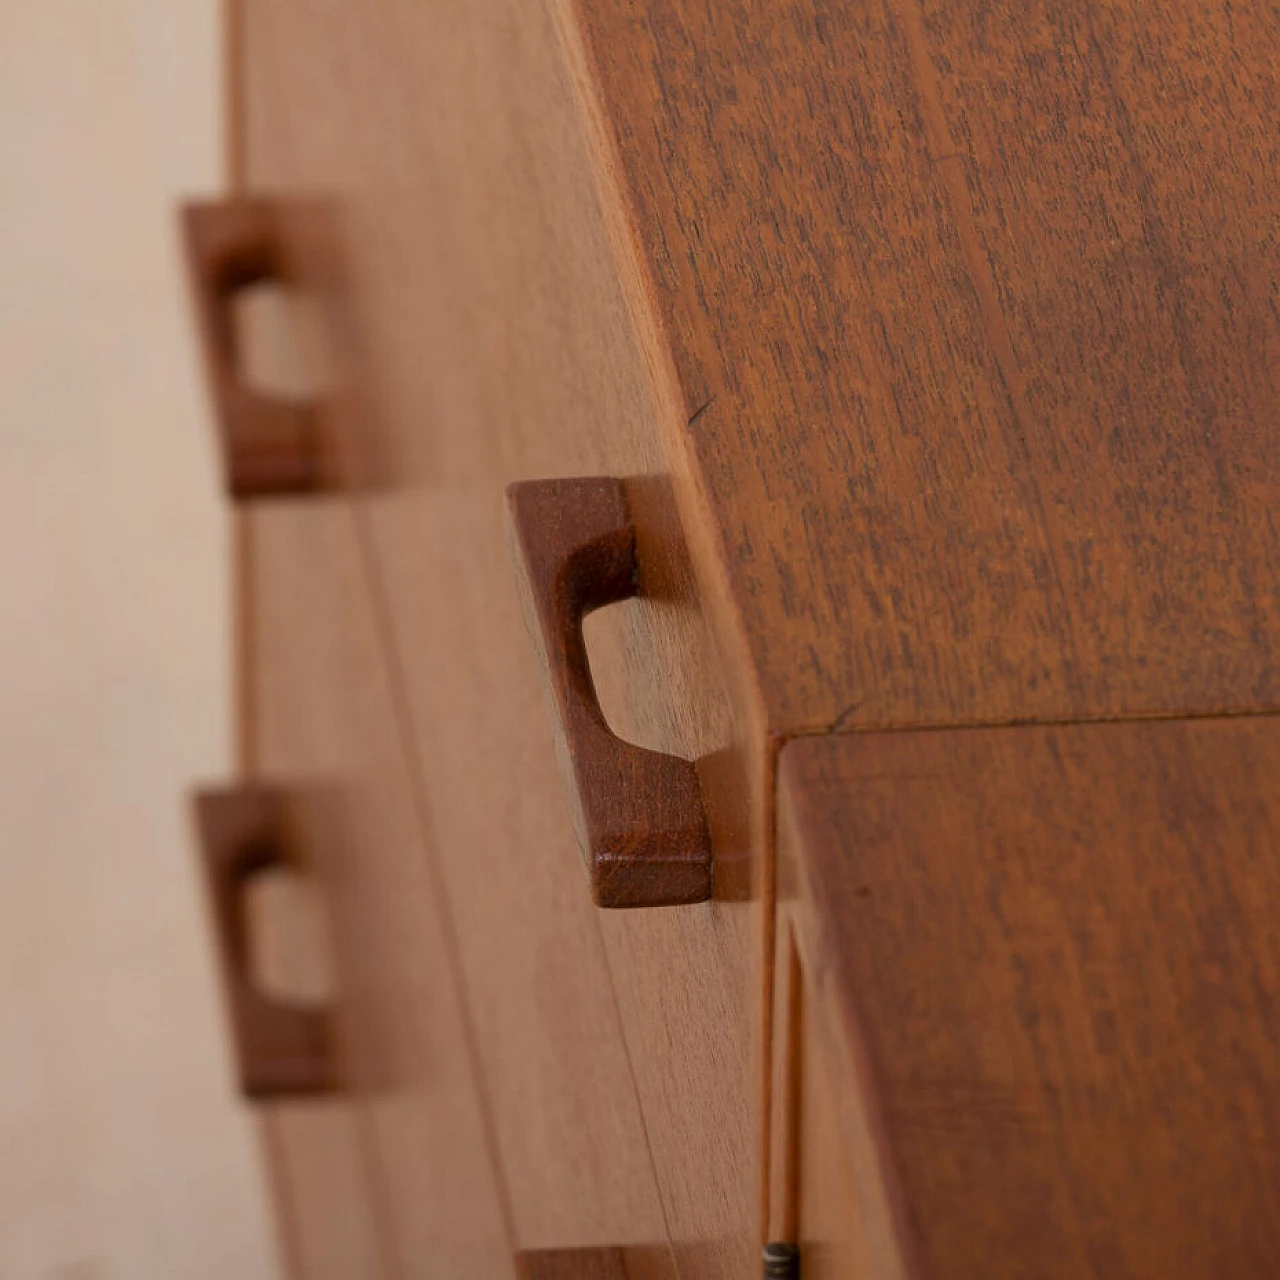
point(497, 347)
point(973, 305)
point(595, 1264)
point(1042, 969)
point(813, 1202)
point(326, 728)
point(318, 1158)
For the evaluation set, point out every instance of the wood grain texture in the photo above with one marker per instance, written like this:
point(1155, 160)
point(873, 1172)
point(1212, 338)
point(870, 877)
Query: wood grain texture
point(573, 1264)
point(971, 311)
point(1045, 961)
point(326, 714)
point(973, 308)
point(637, 1263)
point(281, 1048)
point(500, 349)
point(317, 1154)
point(638, 814)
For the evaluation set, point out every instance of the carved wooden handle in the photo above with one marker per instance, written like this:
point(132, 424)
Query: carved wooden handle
point(269, 446)
point(282, 1049)
point(638, 813)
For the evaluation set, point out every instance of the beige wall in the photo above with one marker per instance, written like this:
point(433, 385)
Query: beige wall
point(122, 1151)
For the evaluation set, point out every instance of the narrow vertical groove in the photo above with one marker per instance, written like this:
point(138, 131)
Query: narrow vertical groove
point(243, 631)
point(422, 815)
point(241, 551)
point(384, 1232)
point(288, 1232)
point(789, 1212)
point(243, 636)
point(233, 134)
point(669, 383)
point(243, 644)
point(768, 942)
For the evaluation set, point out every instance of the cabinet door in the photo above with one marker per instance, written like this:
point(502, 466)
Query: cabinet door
point(394, 1178)
point(620, 1050)
point(1039, 970)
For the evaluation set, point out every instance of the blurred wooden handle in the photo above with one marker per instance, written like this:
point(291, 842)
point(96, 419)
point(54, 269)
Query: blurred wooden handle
point(638, 813)
point(270, 446)
point(281, 1049)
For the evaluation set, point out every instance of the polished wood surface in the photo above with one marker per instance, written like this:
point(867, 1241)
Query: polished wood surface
point(326, 718)
point(281, 1048)
point(933, 346)
point(498, 349)
point(971, 308)
point(638, 814)
point(596, 1264)
point(1042, 963)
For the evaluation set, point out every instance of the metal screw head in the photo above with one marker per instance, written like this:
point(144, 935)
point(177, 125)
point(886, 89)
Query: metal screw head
point(781, 1261)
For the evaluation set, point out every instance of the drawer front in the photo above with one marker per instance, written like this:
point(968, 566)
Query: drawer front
point(1039, 965)
point(407, 1141)
point(620, 1050)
